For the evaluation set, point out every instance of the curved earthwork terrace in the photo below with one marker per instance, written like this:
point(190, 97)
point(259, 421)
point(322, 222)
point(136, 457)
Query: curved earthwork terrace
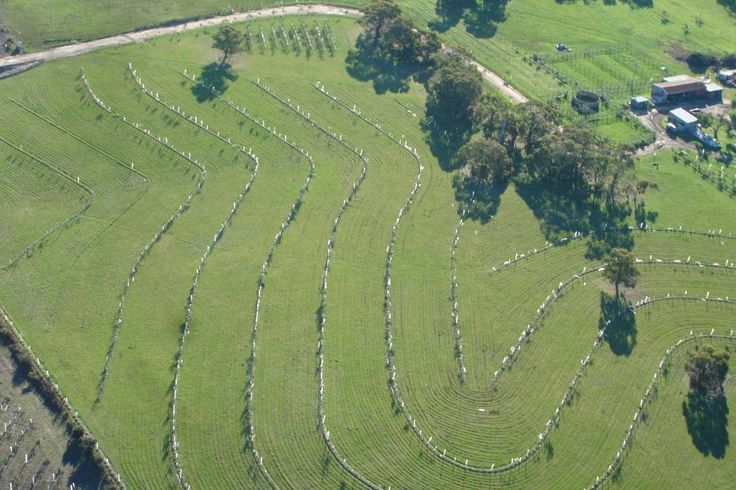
point(273, 286)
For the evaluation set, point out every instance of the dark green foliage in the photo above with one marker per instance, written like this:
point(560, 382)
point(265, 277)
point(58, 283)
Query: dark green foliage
point(488, 170)
point(453, 93)
point(390, 50)
point(621, 269)
point(377, 16)
point(700, 62)
point(228, 40)
point(707, 370)
point(487, 162)
point(705, 408)
point(452, 107)
point(729, 4)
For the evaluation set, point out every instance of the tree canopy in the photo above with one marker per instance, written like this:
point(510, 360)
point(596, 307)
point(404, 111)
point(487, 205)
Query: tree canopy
point(487, 161)
point(454, 91)
point(707, 369)
point(377, 16)
point(621, 269)
point(228, 40)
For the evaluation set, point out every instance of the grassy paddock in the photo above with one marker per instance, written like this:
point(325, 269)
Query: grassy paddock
point(78, 276)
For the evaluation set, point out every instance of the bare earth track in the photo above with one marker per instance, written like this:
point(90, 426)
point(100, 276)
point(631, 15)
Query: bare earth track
point(134, 37)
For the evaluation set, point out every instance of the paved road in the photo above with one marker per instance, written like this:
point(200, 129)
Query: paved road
point(134, 37)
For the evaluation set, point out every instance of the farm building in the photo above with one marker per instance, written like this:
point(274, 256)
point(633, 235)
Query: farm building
point(683, 121)
point(682, 87)
point(639, 103)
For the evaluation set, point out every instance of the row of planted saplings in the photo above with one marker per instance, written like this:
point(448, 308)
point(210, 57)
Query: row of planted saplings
point(322, 317)
point(190, 301)
point(295, 37)
point(721, 178)
point(455, 310)
point(572, 387)
point(296, 206)
point(197, 121)
point(515, 349)
point(323, 287)
point(157, 236)
point(643, 227)
point(188, 320)
point(402, 140)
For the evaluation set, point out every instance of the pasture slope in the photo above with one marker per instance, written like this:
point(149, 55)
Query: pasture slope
point(321, 348)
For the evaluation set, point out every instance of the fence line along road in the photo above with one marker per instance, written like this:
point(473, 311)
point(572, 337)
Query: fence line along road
point(135, 37)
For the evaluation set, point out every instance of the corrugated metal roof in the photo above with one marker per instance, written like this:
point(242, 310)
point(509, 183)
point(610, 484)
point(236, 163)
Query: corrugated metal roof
point(674, 88)
point(683, 116)
point(679, 78)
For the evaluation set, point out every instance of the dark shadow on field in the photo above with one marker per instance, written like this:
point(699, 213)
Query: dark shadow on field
point(480, 20)
point(84, 473)
point(707, 423)
point(386, 76)
point(213, 81)
point(449, 13)
point(609, 229)
point(560, 214)
point(479, 199)
point(481, 23)
point(325, 466)
point(444, 141)
point(619, 320)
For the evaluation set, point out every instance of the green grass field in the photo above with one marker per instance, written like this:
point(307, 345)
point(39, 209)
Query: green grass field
point(64, 292)
point(51, 22)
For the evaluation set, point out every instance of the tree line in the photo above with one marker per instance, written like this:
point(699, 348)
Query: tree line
point(573, 180)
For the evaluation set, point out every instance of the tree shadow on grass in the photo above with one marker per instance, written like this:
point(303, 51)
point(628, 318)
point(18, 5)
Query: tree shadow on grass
point(707, 423)
point(479, 199)
point(213, 81)
point(444, 144)
point(560, 214)
point(386, 76)
point(481, 22)
point(609, 229)
point(619, 320)
point(449, 13)
point(84, 473)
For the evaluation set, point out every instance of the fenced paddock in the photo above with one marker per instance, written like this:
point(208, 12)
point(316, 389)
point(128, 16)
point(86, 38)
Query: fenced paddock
point(321, 350)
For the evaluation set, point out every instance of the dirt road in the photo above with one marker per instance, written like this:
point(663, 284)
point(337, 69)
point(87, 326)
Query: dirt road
point(663, 141)
point(134, 37)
